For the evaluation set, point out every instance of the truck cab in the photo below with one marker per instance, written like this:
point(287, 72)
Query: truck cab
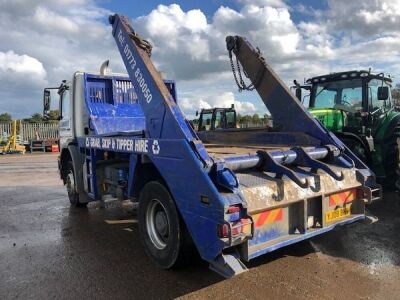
point(98, 103)
point(93, 104)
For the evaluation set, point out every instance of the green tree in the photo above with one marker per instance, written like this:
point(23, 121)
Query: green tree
point(246, 119)
point(255, 119)
point(36, 117)
point(396, 95)
point(5, 117)
point(54, 115)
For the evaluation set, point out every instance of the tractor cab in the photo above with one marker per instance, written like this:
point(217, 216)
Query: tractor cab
point(352, 101)
point(217, 118)
point(357, 106)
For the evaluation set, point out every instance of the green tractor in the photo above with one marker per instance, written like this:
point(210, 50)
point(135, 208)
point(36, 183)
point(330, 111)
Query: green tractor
point(217, 118)
point(357, 106)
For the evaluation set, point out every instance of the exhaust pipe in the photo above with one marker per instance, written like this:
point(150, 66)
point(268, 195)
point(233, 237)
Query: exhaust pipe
point(104, 68)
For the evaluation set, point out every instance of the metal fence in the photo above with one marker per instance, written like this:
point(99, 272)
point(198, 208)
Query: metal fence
point(255, 125)
point(49, 130)
point(30, 131)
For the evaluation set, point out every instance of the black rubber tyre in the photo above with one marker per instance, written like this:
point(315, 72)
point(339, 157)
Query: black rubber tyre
point(162, 231)
point(70, 183)
point(357, 148)
point(392, 164)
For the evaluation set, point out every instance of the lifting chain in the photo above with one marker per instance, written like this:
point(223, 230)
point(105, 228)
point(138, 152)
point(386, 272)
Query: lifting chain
point(240, 82)
point(141, 43)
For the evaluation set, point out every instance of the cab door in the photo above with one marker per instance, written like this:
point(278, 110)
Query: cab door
point(219, 120)
point(65, 125)
point(377, 108)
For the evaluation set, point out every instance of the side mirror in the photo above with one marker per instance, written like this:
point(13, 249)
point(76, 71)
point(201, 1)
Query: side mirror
point(298, 89)
point(383, 93)
point(46, 102)
point(197, 113)
point(298, 93)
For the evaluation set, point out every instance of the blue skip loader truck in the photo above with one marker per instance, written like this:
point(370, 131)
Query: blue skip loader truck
point(231, 194)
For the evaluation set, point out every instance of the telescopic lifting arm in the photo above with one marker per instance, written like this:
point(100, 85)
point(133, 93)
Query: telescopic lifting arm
point(164, 118)
point(288, 114)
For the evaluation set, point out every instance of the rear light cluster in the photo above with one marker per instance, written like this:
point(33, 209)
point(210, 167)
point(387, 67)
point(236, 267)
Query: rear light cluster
point(233, 209)
point(232, 229)
point(233, 213)
point(235, 225)
point(223, 230)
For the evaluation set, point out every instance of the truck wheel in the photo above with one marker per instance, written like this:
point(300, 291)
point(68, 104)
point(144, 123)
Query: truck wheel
point(70, 184)
point(162, 232)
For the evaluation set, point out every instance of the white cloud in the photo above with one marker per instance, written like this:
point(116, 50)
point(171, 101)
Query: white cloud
point(12, 62)
point(245, 108)
point(50, 39)
point(46, 18)
point(272, 3)
point(180, 36)
point(20, 77)
point(191, 103)
point(364, 18)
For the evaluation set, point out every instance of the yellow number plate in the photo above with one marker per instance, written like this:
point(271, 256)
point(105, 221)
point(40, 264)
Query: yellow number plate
point(333, 215)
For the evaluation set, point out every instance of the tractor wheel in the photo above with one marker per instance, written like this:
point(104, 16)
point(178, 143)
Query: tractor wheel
point(392, 164)
point(162, 231)
point(70, 183)
point(357, 148)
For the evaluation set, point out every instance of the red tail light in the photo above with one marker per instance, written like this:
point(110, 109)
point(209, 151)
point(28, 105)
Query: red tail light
point(233, 209)
point(233, 229)
point(223, 230)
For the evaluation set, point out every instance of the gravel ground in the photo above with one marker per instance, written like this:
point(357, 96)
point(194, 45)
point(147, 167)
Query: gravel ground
point(48, 250)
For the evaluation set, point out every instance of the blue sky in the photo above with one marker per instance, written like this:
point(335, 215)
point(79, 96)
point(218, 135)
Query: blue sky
point(139, 8)
point(298, 38)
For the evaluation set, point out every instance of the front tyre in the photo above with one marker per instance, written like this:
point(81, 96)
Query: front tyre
point(162, 232)
point(71, 185)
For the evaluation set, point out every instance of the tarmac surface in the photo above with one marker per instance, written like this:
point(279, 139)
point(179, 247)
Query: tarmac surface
point(49, 250)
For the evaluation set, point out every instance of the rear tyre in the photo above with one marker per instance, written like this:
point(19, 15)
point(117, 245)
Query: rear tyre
point(357, 148)
point(71, 185)
point(162, 232)
point(392, 164)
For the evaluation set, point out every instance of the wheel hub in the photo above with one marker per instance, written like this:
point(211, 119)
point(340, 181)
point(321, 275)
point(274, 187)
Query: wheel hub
point(161, 223)
point(70, 183)
point(157, 224)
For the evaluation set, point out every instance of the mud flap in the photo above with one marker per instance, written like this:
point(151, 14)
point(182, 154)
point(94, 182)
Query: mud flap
point(228, 265)
point(370, 218)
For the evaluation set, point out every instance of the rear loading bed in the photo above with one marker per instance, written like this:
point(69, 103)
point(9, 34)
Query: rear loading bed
point(222, 151)
point(284, 213)
point(269, 187)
